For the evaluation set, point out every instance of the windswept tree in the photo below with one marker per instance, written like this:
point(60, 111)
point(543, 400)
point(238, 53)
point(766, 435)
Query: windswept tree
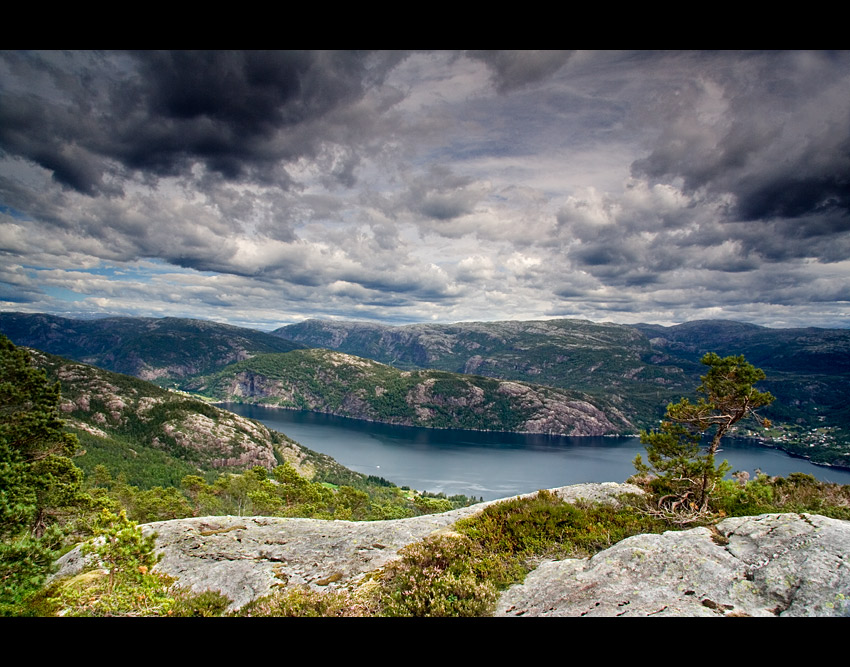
point(685, 471)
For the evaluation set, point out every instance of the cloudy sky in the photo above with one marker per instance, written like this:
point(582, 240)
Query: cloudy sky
point(263, 188)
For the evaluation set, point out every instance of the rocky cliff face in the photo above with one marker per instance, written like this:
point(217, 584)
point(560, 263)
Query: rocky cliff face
point(350, 386)
point(769, 565)
point(107, 404)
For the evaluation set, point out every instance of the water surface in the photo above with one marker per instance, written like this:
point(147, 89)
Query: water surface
point(493, 465)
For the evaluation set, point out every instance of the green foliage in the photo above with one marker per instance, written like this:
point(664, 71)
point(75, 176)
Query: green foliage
point(40, 487)
point(796, 493)
point(38, 481)
point(461, 574)
point(685, 476)
point(432, 505)
point(160, 504)
point(733, 498)
point(303, 602)
point(355, 503)
point(439, 576)
point(121, 547)
point(128, 586)
point(383, 510)
point(24, 563)
point(204, 604)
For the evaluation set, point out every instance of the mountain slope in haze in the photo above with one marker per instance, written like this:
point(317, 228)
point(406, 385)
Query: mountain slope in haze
point(611, 362)
point(808, 370)
point(810, 350)
point(156, 436)
point(568, 353)
point(641, 367)
point(341, 384)
point(148, 348)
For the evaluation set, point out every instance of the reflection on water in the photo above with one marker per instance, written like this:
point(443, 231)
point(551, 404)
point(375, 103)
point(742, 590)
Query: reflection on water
point(492, 465)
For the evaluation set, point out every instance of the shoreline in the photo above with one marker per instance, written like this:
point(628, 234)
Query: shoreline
point(761, 441)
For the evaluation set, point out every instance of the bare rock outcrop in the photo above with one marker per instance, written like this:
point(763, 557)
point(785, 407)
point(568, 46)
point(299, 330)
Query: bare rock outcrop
point(768, 565)
point(248, 557)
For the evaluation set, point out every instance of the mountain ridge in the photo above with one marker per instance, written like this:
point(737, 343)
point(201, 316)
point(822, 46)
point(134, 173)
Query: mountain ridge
point(123, 419)
point(348, 386)
point(149, 348)
point(638, 369)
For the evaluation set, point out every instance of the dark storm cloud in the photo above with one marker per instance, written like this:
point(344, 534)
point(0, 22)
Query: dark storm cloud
point(30, 129)
point(225, 107)
point(793, 197)
point(238, 113)
point(441, 194)
point(417, 186)
point(780, 142)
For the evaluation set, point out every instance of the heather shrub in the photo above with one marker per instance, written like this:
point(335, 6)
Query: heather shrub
point(461, 574)
point(439, 576)
point(204, 604)
point(544, 525)
point(797, 492)
point(292, 602)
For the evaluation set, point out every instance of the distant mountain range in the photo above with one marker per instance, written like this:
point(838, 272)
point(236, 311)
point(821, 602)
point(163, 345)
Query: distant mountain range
point(640, 367)
point(627, 373)
point(152, 349)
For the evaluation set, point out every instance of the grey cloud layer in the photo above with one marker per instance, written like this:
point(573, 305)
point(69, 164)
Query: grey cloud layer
point(238, 113)
point(411, 186)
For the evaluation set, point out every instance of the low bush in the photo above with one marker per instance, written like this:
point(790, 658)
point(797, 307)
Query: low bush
point(440, 576)
point(796, 493)
point(460, 574)
point(303, 602)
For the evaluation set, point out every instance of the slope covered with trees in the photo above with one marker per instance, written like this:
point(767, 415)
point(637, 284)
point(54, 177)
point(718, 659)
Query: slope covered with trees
point(349, 386)
point(47, 502)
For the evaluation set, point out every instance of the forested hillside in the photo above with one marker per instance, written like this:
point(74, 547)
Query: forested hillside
point(154, 435)
point(644, 366)
point(86, 453)
point(349, 386)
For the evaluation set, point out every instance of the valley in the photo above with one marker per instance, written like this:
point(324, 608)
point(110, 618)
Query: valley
point(566, 377)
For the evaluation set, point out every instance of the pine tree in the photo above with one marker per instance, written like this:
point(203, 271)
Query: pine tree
point(122, 549)
point(37, 477)
point(685, 473)
point(38, 480)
